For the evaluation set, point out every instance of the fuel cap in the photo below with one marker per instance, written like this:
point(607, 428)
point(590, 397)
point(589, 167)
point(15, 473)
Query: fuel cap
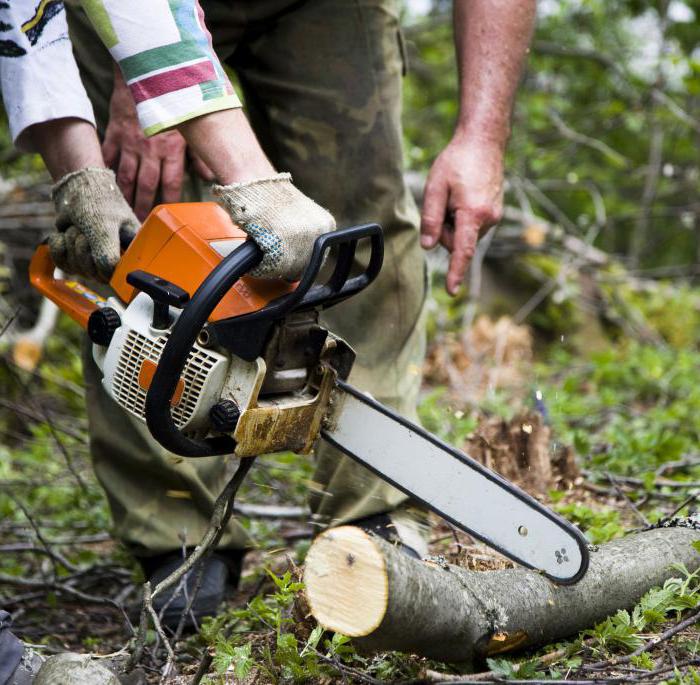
point(102, 324)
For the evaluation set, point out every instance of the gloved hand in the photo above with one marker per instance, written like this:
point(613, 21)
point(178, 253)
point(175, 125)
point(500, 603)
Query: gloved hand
point(280, 219)
point(91, 215)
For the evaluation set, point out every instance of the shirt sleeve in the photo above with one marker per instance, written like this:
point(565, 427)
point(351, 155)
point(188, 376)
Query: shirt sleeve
point(165, 53)
point(39, 78)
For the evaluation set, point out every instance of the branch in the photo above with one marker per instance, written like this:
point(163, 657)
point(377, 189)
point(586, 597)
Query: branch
point(222, 512)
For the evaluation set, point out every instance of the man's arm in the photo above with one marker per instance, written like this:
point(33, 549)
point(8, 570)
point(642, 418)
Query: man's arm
point(92, 216)
point(176, 81)
point(466, 180)
point(66, 145)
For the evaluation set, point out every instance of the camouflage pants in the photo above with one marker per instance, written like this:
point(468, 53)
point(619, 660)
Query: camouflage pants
point(322, 85)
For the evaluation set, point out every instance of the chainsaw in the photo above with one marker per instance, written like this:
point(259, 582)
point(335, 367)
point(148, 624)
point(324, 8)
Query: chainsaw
point(217, 362)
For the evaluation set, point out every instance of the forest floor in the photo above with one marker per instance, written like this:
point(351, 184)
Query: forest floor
point(609, 438)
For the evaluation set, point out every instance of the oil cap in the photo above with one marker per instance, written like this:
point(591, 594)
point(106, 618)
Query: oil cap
point(102, 324)
point(224, 416)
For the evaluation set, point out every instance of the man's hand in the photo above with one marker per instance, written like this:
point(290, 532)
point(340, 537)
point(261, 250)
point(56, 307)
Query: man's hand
point(463, 199)
point(144, 165)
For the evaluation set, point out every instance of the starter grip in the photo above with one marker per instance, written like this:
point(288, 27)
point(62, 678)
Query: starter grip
point(307, 295)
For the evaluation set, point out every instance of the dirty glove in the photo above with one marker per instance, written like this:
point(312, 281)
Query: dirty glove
point(91, 216)
point(280, 219)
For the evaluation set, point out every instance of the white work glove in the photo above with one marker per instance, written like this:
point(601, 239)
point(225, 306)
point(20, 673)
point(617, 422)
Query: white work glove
point(280, 219)
point(91, 215)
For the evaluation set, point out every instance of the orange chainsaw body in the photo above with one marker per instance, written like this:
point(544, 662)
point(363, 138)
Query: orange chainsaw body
point(181, 243)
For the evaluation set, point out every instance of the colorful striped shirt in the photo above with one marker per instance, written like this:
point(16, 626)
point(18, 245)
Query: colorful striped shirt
point(165, 53)
point(39, 78)
point(162, 47)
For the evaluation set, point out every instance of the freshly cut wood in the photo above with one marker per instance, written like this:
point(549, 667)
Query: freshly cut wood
point(361, 586)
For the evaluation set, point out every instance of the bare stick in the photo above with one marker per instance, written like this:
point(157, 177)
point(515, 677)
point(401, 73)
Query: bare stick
point(221, 514)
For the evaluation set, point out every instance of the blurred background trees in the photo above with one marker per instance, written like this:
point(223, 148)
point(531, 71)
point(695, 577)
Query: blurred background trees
point(606, 127)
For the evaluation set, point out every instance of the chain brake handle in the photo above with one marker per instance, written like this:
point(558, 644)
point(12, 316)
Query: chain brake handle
point(308, 294)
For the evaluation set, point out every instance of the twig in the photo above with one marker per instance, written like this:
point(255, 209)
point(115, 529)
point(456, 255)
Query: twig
point(686, 502)
point(628, 501)
point(667, 634)
point(581, 139)
point(544, 660)
point(221, 514)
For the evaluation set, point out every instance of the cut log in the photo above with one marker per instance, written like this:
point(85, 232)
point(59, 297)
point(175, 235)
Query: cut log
point(361, 586)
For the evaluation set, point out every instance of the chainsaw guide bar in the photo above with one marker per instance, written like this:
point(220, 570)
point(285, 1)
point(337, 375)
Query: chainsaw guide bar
point(455, 486)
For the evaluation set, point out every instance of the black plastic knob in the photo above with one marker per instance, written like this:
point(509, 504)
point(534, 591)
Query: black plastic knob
point(224, 416)
point(102, 324)
point(163, 293)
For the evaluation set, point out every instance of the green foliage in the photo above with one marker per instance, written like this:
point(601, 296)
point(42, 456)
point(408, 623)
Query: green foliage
point(558, 313)
point(690, 677)
point(438, 417)
point(670, 309)
point(629, 410)
point(624, 631)
point(522, 670)
point(44, 467)
point(262, 635)
point(601, 525)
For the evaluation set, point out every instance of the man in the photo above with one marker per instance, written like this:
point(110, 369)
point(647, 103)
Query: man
point(322, 83)
point(49, 112)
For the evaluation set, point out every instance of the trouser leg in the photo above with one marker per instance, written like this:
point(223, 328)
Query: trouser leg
point(322, 84)
point(158, 501)
point(11, 649)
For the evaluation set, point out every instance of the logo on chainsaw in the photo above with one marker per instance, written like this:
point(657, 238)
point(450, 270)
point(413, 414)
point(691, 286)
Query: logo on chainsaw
point(560, 555)
point(146, 373)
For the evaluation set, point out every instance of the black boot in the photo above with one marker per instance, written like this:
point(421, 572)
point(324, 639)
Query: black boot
point(221, 574)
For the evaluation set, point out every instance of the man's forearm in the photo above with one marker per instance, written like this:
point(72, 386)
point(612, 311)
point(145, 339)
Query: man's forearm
point(492, 39)
point(66, 145)
point(227, 145)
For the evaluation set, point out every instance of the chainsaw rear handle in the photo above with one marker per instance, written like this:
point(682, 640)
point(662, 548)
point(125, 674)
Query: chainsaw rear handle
point(75, 299)
point(72, 297)
point(196, 312)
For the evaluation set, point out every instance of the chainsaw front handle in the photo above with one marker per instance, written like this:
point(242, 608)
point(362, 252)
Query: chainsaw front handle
point(309, 294)
point(72, 297)
point(195, 313)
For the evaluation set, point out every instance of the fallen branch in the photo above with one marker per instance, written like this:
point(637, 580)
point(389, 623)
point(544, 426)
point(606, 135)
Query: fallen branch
point(363, 587)
point(223, 510)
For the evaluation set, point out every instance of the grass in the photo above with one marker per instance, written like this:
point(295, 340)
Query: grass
point(631, 411)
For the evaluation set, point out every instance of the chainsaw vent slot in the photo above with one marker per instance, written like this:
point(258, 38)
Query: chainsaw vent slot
point(129, 392)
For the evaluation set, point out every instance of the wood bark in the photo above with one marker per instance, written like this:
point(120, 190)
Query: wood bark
point(362, 586)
